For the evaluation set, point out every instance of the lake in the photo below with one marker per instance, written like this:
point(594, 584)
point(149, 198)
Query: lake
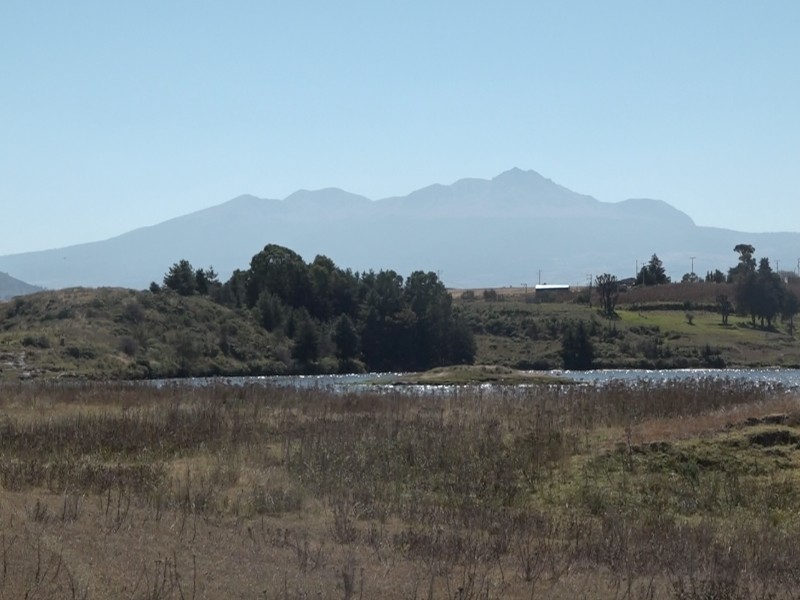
point(786, 378)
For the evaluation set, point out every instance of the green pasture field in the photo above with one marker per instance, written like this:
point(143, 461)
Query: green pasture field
point(528, 335)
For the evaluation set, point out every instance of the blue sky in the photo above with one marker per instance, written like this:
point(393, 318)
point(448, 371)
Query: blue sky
point(116, 115)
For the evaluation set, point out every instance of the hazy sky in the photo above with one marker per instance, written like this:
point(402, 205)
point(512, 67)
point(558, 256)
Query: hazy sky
point(115, 115)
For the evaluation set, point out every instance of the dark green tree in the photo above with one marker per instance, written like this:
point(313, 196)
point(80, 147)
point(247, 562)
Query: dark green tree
point(724, 306)
point(690, 278)
point(607, 288)
point(653, 273)
point(387, 287)
point(388, 339)
point(429, 300)
point(271, 310)
point(234, 291)
point(760, 293)
point(747, 263)
point(306, 339)
point(346, 338)
point(577, 350)
point(390, 324)
point(463, 346)
point(791, 307)
point(746, 294)
point(770, 293)
point(282, 272)
point(347, 292)
point(181, 278)
point(206, 281)
point(321, 275)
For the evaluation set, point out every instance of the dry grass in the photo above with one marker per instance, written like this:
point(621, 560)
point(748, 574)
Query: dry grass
point(120, 491)
point(706, 424)
point(699, 293)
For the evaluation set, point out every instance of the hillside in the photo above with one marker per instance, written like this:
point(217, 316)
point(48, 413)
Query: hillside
point(518, 226)
point(118, 333)
point(281, 315)
point(10, 287)
point(665, 326)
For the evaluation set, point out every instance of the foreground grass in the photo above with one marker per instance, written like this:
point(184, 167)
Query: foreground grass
point(687, 490)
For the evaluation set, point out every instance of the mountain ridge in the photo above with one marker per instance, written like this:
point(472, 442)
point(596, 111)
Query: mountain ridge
point(516, 227)
point(11, 286)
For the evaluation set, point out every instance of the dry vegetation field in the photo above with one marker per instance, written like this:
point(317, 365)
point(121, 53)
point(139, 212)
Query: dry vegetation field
point(688, 490)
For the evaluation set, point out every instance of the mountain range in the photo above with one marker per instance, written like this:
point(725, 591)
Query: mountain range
point(517, 228)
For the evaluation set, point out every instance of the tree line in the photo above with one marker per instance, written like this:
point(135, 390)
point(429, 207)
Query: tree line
point(759, 292)
point(375, 321)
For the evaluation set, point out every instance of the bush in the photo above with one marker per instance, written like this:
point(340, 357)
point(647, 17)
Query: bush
point(538, 364)
point(128, 345)
point(468, 295)
point(329, 364)
point(133, 312)
point(38, 341)
point(78, 353)
point(583, 298)
point(17, 307)
point(351, 365)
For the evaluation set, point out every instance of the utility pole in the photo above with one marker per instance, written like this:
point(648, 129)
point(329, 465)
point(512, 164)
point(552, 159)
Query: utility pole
point(692, 257)
point(540, 277)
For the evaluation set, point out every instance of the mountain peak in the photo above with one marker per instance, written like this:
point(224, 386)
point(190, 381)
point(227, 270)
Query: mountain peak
point(324, 196)
point(517, 174)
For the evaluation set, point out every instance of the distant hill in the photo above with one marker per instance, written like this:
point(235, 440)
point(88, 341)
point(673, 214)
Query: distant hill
point(518, 227)
point(10, 287)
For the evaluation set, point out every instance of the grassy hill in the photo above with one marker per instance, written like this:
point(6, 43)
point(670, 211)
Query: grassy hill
point(120, 333)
